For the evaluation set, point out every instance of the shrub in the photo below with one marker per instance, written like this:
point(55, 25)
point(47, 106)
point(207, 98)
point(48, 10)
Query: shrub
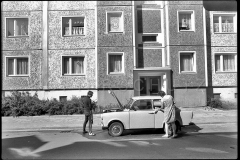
point(214, 103)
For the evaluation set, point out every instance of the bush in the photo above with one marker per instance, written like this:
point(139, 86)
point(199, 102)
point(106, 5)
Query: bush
point(214, 103)
point(23, 104)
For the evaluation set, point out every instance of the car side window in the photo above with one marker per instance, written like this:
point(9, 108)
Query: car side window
point(157, 103)
point(142, 105)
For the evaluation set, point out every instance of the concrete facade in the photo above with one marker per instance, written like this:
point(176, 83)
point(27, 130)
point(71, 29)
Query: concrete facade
point(150, 44)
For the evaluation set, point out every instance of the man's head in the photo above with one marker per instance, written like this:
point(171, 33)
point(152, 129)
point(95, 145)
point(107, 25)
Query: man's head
point(161, 93)
point(90, 93)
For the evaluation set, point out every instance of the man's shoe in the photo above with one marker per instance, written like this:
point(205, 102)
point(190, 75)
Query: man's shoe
point(92, 134)
point(85, 132)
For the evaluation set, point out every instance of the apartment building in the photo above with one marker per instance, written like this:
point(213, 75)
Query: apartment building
point(61, 49)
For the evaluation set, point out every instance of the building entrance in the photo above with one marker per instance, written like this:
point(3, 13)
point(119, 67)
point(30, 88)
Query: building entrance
point(150, 85)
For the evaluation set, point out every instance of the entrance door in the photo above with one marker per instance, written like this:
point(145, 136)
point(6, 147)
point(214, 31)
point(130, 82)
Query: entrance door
point(150, 85)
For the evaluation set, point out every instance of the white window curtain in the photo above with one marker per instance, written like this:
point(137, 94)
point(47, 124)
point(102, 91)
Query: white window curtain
point(115, 63)
point(21, 27)
point(10, 66)
point(186, 62)
point(185, 21)
point(217, 63)
point(227, 24)
point(66, 66)
point(22, 66)
point(77, 65)
point(228, 63)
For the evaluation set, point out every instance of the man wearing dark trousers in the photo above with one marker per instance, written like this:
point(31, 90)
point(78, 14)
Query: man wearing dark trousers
point(87, 104)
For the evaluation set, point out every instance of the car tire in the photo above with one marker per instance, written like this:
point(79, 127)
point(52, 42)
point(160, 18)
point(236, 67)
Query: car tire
point(115, 129)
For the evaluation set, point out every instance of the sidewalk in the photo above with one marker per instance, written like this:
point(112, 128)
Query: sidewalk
point(201, 117)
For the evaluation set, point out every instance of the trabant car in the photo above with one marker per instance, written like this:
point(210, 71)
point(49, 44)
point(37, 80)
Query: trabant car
point(140, 113)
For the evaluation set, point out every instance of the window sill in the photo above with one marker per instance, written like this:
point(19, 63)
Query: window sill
point(115, 73)
point(17, 36)
point(186, 31)
point(74, 75)
point(25, 75)
point(73, 35)
point(223, 72)
point(224, 32)
point(115, 32)
point(188, 72)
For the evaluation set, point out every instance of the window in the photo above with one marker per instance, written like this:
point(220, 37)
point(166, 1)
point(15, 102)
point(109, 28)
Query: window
point(16, 27)
point(187, 62)
point(226, 62)
point(146, 39)
point(73, 65)
point(157, 103)
point(216, 95)
point(73, 26)
point(186, 20)
point(115, 63)
point(224, 23)
point(142, 104)
point(62, 98)
point(17, 66)
point(115, 22)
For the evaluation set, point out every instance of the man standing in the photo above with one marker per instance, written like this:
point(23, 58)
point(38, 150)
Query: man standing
point(87, 104)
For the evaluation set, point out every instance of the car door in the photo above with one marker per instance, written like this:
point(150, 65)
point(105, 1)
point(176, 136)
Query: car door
point(159, 116)
point(142, 114)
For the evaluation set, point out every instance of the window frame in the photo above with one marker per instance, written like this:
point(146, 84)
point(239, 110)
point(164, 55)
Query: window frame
point(194, 62)
point(221, 62)
point(145, 35)
point(70, 64)
point(123, 62)
point(85, 28)
point(122, 19)
point(19, 36)
point(192, 12)
point(62, 97)
point(220, 26)
point(15, 66)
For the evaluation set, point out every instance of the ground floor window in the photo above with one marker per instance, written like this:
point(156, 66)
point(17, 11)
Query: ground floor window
point(17, 66)
point(73, 65)
point(226, 62)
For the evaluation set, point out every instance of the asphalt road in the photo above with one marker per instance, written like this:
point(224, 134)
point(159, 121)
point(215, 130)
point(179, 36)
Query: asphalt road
point(137, 144)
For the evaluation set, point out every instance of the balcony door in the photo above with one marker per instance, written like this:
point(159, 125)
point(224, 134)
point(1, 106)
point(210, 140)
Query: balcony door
point(150, 85)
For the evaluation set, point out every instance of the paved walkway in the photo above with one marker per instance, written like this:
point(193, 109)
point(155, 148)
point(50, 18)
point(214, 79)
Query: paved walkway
point(201, 118)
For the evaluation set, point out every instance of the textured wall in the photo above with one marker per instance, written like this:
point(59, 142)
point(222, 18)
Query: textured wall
point(190, 97)
point(113, 3)
point(114, 39)
point(31, 82)
point(186, 37)
point(115, 81)
point(71, 5)
point(34, 38)
point(190, 80)
point(227, 96)
point(21, 5)
point(223, 79)
point(185, 2)
point(149, 58)
point(149, 21)
point(56, 41)
point(57, 81)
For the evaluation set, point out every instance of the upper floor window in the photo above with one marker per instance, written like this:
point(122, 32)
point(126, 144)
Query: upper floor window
point(224, 23)
point(187, 62)
point(17, 66)
point(16, 27)
point(115, 63)
point(115, 22)
point(226, 62)
point(73, 26)
point(73, 65)
point(186, 20)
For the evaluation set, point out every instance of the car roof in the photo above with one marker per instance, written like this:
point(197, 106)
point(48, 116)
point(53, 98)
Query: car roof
point(146, 97)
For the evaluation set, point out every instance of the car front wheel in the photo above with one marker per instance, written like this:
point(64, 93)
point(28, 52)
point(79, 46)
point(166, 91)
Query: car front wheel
point(115, 129)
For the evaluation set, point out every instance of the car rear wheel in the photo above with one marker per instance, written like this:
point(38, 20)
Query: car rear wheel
point(115, 129)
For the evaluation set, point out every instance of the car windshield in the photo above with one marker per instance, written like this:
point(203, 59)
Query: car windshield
point(129, 104)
